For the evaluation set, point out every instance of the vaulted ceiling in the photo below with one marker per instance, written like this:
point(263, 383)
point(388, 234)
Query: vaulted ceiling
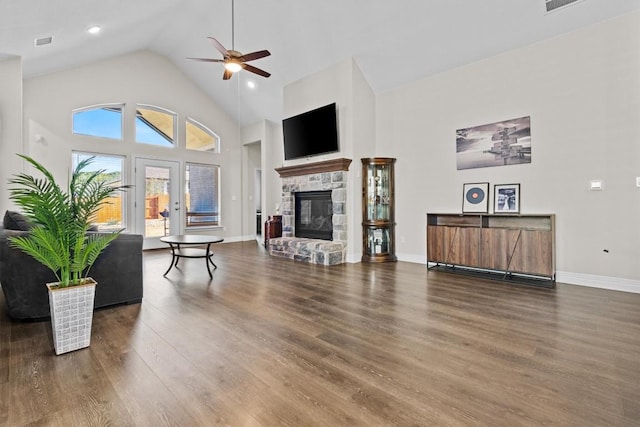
point(393, 42)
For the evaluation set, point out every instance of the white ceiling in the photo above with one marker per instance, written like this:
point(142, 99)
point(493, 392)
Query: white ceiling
point(393, 42)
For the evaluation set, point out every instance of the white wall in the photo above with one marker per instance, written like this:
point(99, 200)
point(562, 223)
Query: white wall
point(141, 77)
point(10, 125)
point(582, 91)
point(272, 157)
point(363, 146)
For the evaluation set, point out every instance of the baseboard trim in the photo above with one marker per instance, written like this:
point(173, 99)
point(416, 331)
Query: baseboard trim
point(354, 258)
point(415, 259)
point(232, 239)
point(603, 282)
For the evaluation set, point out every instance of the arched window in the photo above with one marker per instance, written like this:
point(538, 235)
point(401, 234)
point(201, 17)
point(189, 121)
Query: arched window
point(155, 126)
point(103, 120)
point(201, 138)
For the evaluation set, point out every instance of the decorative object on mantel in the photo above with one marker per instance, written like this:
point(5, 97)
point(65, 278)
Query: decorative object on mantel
point(378, 216)
point(333, 165)
point(506, 198)
point(475, 197)
point(61, 241)
point(494, 144)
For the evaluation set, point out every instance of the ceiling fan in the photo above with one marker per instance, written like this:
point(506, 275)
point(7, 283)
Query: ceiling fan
point(233, 60)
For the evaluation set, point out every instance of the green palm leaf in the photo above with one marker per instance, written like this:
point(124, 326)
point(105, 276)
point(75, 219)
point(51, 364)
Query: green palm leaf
point(62, 218)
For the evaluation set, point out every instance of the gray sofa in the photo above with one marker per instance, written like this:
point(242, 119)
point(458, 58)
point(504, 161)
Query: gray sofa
point(118, 271)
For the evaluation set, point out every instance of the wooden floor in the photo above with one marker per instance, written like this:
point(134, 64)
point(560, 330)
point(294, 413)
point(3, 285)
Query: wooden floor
point(271, 342)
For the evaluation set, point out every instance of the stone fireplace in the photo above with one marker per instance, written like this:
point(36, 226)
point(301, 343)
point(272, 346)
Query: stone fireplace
point(327, 180)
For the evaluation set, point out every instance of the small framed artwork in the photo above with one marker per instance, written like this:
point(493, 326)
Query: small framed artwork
point(475, 197)
point(506, 198)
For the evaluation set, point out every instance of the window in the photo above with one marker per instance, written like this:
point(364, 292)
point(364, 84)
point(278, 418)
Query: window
point(200, 138)
point(202, 195)
point(155, 126)
point(110, 217)
point(99, 120)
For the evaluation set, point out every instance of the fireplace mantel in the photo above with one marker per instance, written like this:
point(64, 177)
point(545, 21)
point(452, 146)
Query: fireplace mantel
point(341, 164)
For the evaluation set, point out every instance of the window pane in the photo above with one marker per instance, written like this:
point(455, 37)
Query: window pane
point(110, 217)
point(103, 121)
point(202, 195)
point(155, 126)
point(157, 181)
point(200, 138)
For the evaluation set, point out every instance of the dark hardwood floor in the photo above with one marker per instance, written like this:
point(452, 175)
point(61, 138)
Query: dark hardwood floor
point(273, 342)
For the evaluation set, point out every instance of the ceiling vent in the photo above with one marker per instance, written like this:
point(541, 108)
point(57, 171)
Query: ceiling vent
point(557, 4)
point(43, 41)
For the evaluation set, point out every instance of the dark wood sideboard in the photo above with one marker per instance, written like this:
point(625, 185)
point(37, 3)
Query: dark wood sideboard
point(519, 248)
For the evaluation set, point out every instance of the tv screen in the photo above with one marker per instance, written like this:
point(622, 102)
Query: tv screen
point(310, 134)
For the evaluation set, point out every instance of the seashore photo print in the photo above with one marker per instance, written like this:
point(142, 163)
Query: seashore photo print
point(495, 144)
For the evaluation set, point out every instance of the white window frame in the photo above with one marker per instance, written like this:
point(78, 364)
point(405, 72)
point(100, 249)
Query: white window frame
point(123, 172)
point(187, 226)
point(174, 144)
point(196, 123)
point(120, 105)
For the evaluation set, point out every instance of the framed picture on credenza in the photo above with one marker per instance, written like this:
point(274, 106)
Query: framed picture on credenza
point(475, 197)
point(506, 199)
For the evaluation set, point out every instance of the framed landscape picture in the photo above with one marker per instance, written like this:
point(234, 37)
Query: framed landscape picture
point(494, 144)
point(506, 198)
point(475, 197)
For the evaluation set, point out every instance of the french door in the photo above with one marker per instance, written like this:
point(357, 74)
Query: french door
point(158, 208)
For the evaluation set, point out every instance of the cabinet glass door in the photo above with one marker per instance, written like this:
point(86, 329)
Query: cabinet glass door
point(377, 241)
point(378, 196)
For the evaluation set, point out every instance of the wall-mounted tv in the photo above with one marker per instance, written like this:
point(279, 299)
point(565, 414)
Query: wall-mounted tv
point(310, 134)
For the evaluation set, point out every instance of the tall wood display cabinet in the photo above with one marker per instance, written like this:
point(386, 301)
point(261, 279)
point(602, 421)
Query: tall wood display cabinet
point(378, 210)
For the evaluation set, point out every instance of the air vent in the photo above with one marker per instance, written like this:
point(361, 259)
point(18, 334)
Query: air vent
point(557, 4)
point(43, 41)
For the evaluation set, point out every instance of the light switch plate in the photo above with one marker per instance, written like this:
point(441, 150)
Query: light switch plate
point(595, 185)
point(638, 181)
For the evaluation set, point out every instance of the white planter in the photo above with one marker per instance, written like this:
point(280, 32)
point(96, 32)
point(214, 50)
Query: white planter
point(71, 315)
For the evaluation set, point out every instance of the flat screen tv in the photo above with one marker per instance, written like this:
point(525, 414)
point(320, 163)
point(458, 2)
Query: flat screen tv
point(310, 134)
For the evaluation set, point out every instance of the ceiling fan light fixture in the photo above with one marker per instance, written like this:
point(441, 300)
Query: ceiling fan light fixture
point(233, 66)
point(233, 60)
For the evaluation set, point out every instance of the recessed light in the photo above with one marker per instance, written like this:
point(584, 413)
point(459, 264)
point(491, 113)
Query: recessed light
point(251, 84)
point(94, 30)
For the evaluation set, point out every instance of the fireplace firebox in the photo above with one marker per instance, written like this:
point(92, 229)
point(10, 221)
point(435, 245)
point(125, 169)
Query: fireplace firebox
point(313, 215)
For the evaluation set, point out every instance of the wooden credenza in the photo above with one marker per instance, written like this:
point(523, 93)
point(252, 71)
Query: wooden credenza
point(511, 247)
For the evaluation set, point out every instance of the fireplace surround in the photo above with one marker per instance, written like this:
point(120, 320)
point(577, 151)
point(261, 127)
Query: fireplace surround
point(330, 177)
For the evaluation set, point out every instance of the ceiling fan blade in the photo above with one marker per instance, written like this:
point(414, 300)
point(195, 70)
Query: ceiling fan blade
point(227, 74)
point(219, 47)
point(206, 59)
point(255, 55)
point(255, 70)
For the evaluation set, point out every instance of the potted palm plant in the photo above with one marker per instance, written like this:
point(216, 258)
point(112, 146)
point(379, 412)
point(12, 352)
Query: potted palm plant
point(60, 240)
